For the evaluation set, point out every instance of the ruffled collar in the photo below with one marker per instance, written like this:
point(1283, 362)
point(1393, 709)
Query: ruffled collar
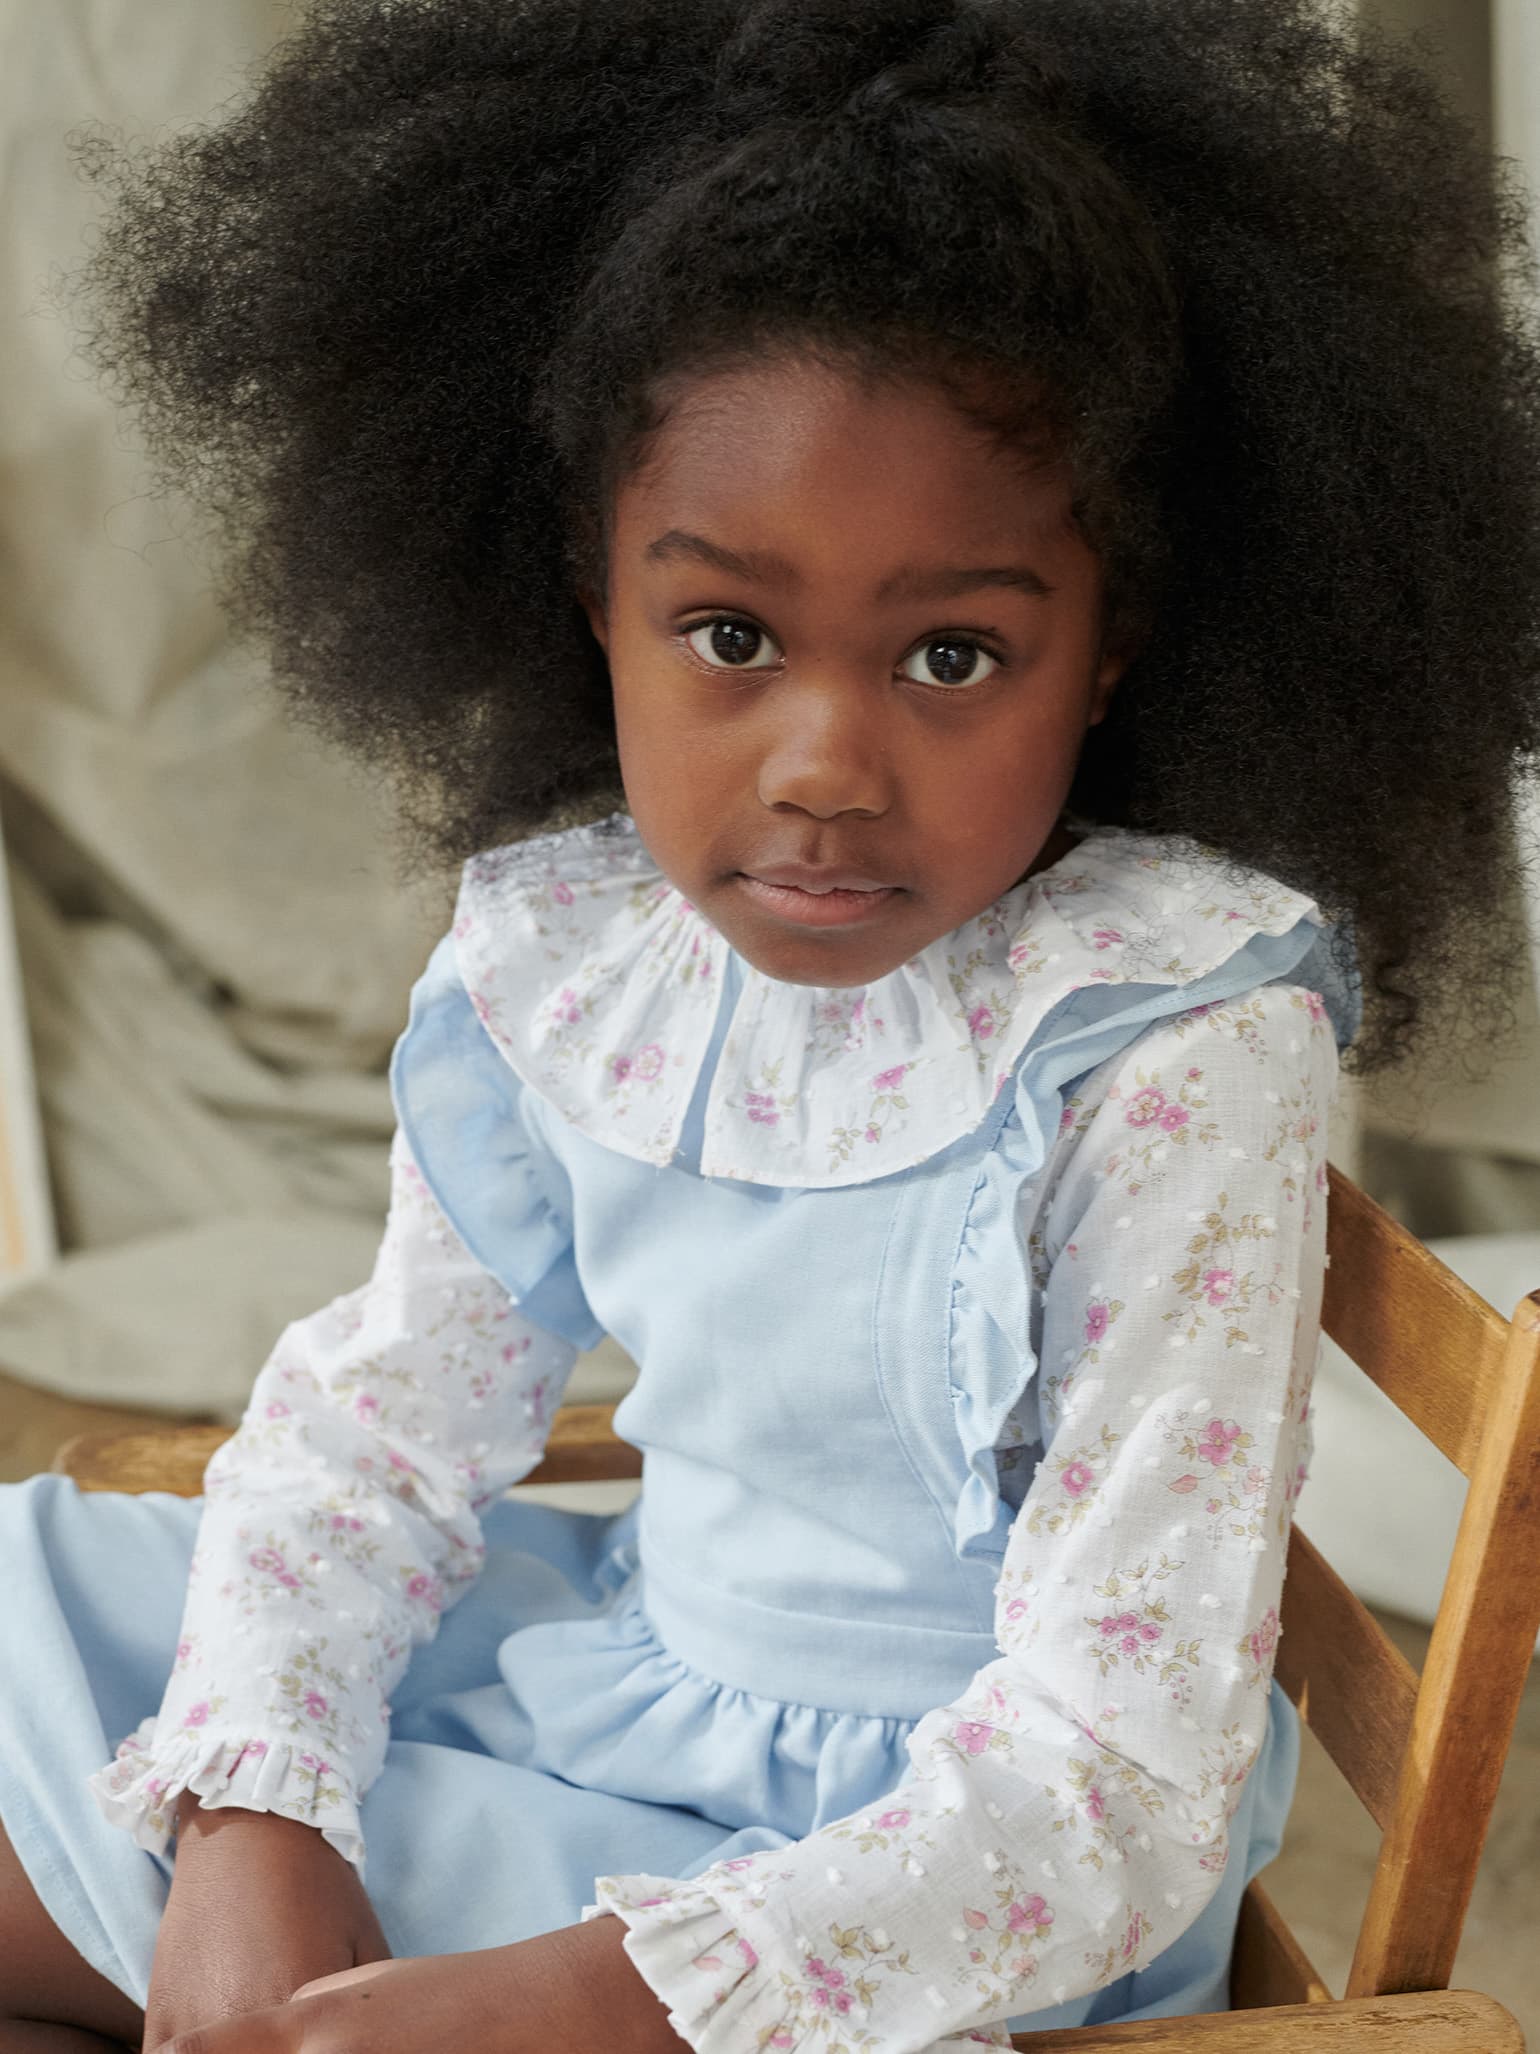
point(601, 986)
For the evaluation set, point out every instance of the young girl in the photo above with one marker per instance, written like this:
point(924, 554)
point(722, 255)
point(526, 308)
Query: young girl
point(1034, 501)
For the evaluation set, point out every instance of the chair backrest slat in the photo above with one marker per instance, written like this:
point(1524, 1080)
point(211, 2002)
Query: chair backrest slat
point(1353, 1686)
point(1478, 1662)
point(1402, 1315)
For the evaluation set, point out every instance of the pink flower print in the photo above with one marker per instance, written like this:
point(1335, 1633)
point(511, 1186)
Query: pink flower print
point(366, 1408)
point(1265, 1638)
point(981, 1023)
point(426, 1588)
point(1028, 1915)
point(893, 1822)
point(1133, 1936)
point(1105, 938)
point(561, 893)
point(315, 1704)
point(196, 1715)
point(569, 1012)
point(977, 1919)
point(1315, 1006)
point(1145, 1107)
point(1255, 1480)
point(1077, 1477)
point(873, 1134)
point(1095, 1804)
point(621, 1065)
point(1066, 1119)
point(761, 1108)
point(1217, 1441)
point(750, 1958)
point(277, 1409)
point(1016, 1609)
point(1173, 1116)
point(345, 1522)
point(649, 1062)
point(889, 1080)
point(268, 1562)
point(1193, 1075)
point(253, 1751)
point(1217, 1285)
point(1096, 1318)
point(400, 1462)
point(972, 1735)
point(831, 1993)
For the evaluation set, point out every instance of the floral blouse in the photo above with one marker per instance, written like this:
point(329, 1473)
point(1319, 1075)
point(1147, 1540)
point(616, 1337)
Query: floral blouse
point(1066, 1816)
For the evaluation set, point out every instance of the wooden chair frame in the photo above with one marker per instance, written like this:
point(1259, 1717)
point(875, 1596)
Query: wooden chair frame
point(1423, 1755)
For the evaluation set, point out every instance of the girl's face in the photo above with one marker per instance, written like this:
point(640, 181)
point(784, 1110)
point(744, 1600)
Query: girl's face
point(855, 647)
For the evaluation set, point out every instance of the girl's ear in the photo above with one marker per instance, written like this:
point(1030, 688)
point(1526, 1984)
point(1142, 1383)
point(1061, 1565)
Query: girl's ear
point(1113, 663)
point(1121, 643)
point(598, 619)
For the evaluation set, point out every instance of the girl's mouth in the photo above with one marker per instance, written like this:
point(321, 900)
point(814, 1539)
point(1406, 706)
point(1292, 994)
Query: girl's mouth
point(817, 906)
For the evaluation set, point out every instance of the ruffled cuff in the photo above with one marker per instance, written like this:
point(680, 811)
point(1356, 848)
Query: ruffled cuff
point(140, 1788)
point(728, 1984)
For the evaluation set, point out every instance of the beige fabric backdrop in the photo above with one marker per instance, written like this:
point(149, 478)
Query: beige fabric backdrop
point(215, 951)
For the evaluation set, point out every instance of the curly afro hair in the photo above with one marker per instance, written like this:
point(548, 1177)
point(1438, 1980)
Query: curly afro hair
point(404, 318)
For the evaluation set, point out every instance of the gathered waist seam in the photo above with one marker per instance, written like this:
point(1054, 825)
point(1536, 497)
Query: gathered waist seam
point(860, 1668)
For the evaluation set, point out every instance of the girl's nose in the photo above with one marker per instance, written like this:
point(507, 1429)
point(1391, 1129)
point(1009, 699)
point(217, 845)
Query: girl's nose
point(825, 752)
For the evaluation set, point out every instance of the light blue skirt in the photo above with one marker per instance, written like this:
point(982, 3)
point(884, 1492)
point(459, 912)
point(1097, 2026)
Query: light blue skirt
point(544, 1738)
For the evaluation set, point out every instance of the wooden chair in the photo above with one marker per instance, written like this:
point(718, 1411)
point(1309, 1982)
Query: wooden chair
point(1424, 1756)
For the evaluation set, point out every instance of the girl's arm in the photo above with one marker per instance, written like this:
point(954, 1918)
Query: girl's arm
point(1066, 1819)
point(338, 1523)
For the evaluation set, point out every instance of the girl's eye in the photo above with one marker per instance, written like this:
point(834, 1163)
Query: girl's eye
point(949, 660)
point(730, 644)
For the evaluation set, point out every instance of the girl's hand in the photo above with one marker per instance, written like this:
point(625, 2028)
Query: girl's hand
point(259, 1905)
point(569, 1992)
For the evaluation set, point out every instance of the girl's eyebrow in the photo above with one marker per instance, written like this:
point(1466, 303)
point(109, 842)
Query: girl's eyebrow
point(947, 583)
point(764, 567)
point(758, 567)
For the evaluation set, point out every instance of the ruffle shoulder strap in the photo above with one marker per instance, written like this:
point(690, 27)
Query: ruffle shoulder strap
point(461, 1108)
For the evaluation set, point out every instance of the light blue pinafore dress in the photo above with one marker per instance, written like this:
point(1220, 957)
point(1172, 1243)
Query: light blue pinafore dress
point(739, 1658)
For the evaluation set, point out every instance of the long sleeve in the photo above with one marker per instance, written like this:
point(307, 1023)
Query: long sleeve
point(338, 1524)
point(1065, 1819)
